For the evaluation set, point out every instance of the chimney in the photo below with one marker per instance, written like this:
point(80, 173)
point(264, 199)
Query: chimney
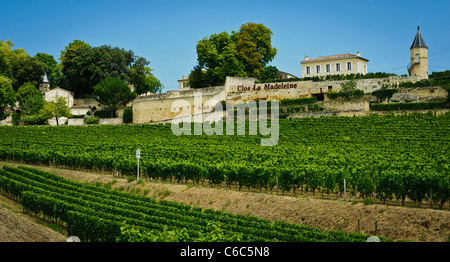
point(306, 58)
point(184, 77)
point(358, 54)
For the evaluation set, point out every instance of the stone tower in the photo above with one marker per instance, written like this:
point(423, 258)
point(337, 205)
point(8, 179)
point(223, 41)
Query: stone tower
point(419, 57)
point(45, 85)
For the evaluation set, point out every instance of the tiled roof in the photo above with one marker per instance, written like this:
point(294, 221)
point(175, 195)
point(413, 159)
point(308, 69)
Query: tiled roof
point(80, 107)
point(418, 40)
point(331, 57)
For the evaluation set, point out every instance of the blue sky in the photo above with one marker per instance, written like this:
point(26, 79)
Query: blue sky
point(166, 32)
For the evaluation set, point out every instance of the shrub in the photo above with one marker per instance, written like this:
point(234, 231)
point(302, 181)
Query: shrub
point(368, 201)
point(384, 93)
point(77, 116)
point(103, 114)
point(15, 119)
point(92, 120)
point(33, 120)
point(128, 115)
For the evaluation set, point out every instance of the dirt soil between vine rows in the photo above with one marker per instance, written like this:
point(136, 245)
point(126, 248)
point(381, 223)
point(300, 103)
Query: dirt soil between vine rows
point(393, 222)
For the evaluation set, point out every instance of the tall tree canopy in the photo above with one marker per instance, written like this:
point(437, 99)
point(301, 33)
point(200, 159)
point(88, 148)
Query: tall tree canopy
point(270, 72)
point(254, 42)
point(113, 93)
point(8, 56)
point(83, 67)
point(18, 66)
point(25, 91)
point(53, 72)
point(242, 53)
point(7, 96)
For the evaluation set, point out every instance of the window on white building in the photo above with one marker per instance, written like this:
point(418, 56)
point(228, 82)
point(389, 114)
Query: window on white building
point(308, 70)
point(349, 65)
point(318, 69)
point(328, 68)
point(338, 67)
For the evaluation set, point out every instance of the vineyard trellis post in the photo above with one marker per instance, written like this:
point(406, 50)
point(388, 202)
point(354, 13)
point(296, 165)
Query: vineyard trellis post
point(376, 227)
point(345, 191)
point(431, 199)
point(138, 155)
point(277, 183)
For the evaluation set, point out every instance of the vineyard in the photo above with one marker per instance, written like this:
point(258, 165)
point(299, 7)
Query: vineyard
point(390, 157)
point(99, 214)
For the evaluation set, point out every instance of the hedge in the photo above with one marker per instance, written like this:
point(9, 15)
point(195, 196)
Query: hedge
point(298, 101)
point(103, 114)
point(346, 94)
point(384, 93)
point(330, 78)
point(408, 106)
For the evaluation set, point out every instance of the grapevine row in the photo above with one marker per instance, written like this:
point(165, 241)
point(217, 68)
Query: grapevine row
point(58, 198)
point(392, 156)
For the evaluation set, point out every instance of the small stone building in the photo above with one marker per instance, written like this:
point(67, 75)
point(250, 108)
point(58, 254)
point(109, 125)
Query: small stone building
point(52, 94)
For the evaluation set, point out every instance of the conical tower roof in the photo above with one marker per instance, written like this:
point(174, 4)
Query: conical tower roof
point(45, 78)
point(418, 40)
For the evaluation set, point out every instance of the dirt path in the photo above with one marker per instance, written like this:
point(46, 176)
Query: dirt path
point(17, 227)
point(394, 222)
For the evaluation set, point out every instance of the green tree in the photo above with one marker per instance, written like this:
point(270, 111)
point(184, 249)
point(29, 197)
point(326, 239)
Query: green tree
point(75, 74)
point(28, 69)
point(243, 53)
point(55, 109)
point(217, 54)
point(18, 66)
point(197, 78)
point(83, 67)
point(7, 95)
point(25, 91)
point(74, 45)
point(270, 72)
point(113, 93)
point(128, 115)
point(142, 78)
point(33, 104)
point(254, 43)
point(31, 101)
point(52, 70)
point(8, 56)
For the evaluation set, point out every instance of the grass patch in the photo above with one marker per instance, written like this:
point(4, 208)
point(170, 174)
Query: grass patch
point(227, 203)
point(162, 193)
point(110, 184)
point(368, 201)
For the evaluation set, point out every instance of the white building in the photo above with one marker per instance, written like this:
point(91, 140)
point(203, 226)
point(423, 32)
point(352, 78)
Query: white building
point(52, 94)
point(334, 65)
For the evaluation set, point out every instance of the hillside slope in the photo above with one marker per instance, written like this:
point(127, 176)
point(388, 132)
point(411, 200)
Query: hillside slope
point(393, 222)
